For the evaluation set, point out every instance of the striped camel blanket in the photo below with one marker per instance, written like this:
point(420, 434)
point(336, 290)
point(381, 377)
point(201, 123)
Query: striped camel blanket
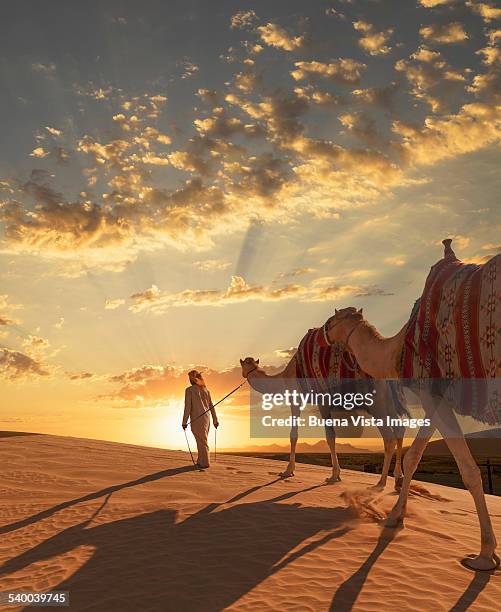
point(326, 364)
point(454, 336)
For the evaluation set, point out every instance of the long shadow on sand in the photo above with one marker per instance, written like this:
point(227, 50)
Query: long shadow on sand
point(347, 593)
point(90, 496)
point(477, 585)
point(206, 562)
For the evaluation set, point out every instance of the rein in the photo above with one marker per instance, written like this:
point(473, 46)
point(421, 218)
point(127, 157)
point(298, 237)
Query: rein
point(345, 343)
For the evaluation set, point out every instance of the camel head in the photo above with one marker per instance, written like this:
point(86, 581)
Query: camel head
point(248, 364)
point(342, 322)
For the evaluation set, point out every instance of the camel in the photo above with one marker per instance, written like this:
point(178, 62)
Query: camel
point(384, 405)
point(459, 300)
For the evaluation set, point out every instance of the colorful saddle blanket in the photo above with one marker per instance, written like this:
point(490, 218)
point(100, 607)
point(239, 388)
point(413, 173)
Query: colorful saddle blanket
point(454, 334)
point(327, 363)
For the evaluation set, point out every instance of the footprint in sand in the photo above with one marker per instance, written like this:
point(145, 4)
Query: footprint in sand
point(242, 472)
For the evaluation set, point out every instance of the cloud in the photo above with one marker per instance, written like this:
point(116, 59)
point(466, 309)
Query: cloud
point(243, 19)
point(150, 385)
point(56, 223)
point(434, 3)
point(343, 70)
point(287, 354)
point(36, 342)
point(314, 95)
point(486, 11)
point(324, 288)
point(39, 152)
point(188, 69)
point(113, 304)
point(338, 291)
point(372, 41)
point(261, 150)
point(383, 97)
point(54, 131)
point(445, 33)
point(474, 127)
point(395, 261)
point(276, 36)
point(81, 376)
point(157, 301)
point(431, 78)
point(332, 12)
point(6, 309)
point(296, 272)
point(363, 126)
point(15, 366)
point(212, 265)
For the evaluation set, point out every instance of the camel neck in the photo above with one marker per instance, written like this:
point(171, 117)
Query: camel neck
point(377, 356)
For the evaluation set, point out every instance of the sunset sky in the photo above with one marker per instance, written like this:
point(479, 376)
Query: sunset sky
point(191, 182)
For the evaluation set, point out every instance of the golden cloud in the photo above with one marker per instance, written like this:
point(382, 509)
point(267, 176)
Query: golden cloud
point(212, 265)
point(486, 11)
point(16, 366)
point(343, 70)
point(372, 41)
point(276, 36)
point(243, 19)
point(445, 33)
point(433, 3)
point(149, 384)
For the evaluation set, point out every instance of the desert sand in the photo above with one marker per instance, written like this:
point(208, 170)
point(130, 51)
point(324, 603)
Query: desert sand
point(125, 527)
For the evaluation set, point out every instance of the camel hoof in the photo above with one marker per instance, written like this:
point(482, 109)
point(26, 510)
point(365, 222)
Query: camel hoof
point(286, 474)
point(481, 563)
point(398, 482)
point(377, 487)
point(332, 479)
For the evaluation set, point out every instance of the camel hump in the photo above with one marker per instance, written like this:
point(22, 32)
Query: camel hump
point(448, 252)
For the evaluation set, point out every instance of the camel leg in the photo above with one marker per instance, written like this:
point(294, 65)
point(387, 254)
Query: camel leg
point(470, 473)
point(336, 470)
point(411, 460)
point(398, 473)
point(472, 479)
point(289, 470)
point(389, 448)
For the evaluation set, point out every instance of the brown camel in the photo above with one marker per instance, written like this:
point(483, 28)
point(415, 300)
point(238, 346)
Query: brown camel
point(448, 339)
point(383, 405)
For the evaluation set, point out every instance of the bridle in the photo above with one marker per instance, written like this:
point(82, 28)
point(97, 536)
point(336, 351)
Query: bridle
point(347, 340)
point(250, 371)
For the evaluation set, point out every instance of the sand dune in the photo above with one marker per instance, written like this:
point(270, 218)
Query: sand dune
point(132, 528)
